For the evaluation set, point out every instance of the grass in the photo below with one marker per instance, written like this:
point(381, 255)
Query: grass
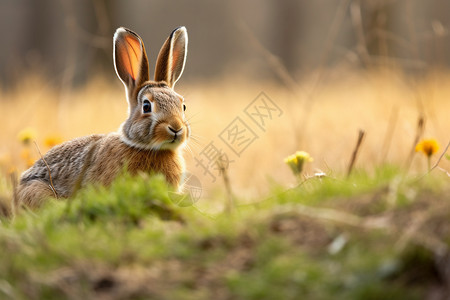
point(131, 241)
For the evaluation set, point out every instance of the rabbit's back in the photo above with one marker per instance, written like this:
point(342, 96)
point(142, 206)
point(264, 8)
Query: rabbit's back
point(66, 162)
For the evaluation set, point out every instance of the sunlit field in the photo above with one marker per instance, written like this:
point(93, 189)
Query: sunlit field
point(320, 117)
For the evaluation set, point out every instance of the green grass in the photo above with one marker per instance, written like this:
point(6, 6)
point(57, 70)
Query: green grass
point(315, 241)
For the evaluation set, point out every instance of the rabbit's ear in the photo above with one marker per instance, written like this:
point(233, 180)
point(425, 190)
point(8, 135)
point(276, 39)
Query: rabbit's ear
point(130, 59)
point(171, 57)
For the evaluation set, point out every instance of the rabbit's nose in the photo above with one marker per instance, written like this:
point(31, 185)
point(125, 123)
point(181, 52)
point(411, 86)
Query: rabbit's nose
point(175, 131)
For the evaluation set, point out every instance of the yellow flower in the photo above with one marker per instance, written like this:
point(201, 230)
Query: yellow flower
point(297, 160)
point(428, 147)
point(52, 140)
point(26, 135)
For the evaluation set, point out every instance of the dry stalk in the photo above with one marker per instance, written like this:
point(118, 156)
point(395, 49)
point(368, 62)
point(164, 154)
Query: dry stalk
point(437, 163)
point(48, 169)
point(223, 169)
point(419, 132)
point(361, 135)
point(440, 157)
point(389, 134)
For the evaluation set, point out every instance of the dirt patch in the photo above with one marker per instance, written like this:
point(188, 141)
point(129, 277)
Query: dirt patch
point(306, 232)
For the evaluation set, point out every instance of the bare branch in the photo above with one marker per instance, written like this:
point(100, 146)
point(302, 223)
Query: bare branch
point(440, 157)
point(221, 164)
point(419, 132)
point(361, 135)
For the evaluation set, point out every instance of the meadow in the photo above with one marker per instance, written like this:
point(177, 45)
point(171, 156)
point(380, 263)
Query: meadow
point(380, 232)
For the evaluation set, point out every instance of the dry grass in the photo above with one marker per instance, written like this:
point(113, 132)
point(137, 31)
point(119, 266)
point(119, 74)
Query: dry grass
point(325, 123)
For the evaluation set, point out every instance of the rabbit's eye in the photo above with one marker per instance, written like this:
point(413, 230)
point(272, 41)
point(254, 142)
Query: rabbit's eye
point(146, 106)
point(184, 107)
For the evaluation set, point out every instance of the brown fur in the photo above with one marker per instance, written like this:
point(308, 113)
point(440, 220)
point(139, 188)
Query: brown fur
point(100, 162)
point(119, 154)
point(33, 193)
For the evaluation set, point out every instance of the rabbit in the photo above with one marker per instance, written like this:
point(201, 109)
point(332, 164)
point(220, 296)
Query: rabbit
point(150, 140)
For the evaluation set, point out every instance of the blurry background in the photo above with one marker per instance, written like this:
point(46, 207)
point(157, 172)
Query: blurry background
point(70, 41)
point(332, 66)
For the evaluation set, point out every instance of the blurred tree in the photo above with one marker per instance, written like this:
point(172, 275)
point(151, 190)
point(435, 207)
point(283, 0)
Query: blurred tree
point(289, 16)
point(69, 41)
